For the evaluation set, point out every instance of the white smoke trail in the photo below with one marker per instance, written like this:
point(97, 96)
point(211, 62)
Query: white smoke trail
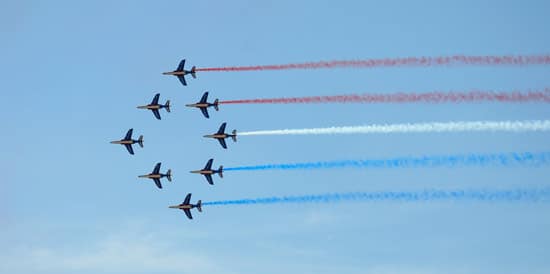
point(461, 126)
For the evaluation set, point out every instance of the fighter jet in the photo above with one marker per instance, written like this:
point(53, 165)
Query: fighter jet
point(154, 106)
point(203, 105)
point(207, 171)
point(180, 72)
point(221, 135)
point(156, 175)
point(186, 206)
point(128, 141)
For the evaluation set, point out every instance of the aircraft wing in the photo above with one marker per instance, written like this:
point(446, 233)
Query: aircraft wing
point(188, 213)
point(157, 182)
point(222, 142)
point(181, 65)
point(204, 97)
point(182, 79)
point(187, 199)
point(156, 170)
point(209, 178)
point(205, 112)
point(208, 165)
point(155, 99)
point(130, 149)
point(156, 113)
point(129, 134)
point(222, 129)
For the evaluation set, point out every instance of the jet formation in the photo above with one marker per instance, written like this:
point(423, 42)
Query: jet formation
point(186, 206)
point(156, 175)
point(221, 135)
point(207, 171)
point(203, 105)
point(128, 141)
point(154, 106)
point(180, 72)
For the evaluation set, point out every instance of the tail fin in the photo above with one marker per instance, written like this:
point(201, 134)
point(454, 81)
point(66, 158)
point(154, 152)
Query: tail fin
point(216, 103)
point(234, 135)
point(140, 141)
point(193, 72)
point(199, 205)
point(167, 105)
point(220, 171)
point(169, 175)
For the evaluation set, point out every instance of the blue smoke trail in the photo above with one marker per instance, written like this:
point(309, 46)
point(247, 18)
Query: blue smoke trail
point(510, 195)
point(464, 160)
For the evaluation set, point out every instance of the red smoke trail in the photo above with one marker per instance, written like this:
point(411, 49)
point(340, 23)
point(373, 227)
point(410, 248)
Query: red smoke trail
point(429, 97)
point(504, 60)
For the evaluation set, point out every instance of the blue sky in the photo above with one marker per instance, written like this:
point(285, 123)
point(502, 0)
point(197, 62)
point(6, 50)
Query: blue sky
point(73, 73)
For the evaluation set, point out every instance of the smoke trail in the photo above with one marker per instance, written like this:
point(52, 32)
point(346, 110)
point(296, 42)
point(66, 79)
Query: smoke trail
point(429, 97)
point(509, 195)
point(503, 60)
point(509, 126)
point(460, 160)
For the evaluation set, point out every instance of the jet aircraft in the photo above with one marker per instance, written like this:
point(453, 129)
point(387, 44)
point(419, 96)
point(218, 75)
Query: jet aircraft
point(186, 206)
point(221, 135)
point(154, 106)
point(203, 105)
point(207, 171)
point(180, 72)
point(156, 175)
point(128, 141)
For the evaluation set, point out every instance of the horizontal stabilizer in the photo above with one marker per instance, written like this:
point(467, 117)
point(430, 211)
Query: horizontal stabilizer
point(169, 175)
point(140, 141)
point(199, 205)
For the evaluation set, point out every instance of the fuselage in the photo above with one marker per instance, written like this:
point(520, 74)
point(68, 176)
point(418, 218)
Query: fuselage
point(157, 106)
point(176, 73)
point(189, 206)
point(124, 142)
point(152, 176)
point(204, 171)
point(219, 136)
point(200, 105)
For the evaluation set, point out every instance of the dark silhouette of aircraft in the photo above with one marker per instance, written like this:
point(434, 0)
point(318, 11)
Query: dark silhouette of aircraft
point(180, 72)
point(186, 206)
point(128, 141)
point(156, 175)
point(221, 135)
point(154, 106)
point(203, 105)
point(207, 171)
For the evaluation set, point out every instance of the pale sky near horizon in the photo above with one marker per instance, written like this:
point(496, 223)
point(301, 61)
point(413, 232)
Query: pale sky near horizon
point(73, 73)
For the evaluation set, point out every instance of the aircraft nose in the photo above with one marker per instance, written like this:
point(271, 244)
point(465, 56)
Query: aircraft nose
point(173, 207)
point(113, 142)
